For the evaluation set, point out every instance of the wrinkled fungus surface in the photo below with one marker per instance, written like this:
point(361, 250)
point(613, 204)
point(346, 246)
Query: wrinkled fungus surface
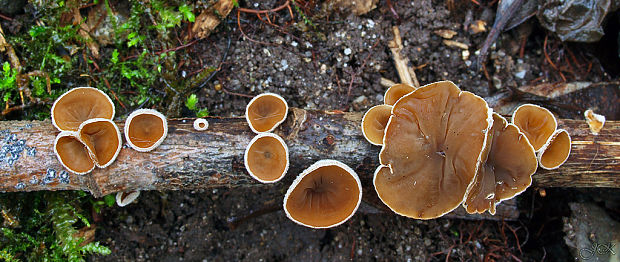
point(103, 140)
point(537, 123)
point(78, 105)
point(432, 148)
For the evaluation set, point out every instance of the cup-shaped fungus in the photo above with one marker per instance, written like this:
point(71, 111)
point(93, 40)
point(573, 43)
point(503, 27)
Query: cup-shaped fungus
point(395, 92)
point(537, 123)
point(145, 129)
point(72, 153)
point(595, 121)
point(432, 150)
point(556, 151)
point(374, 122)
point(265, 112)
point(324, 195)
point(103, 140)
point(201, 124)
point(266, 158)
point(509, 163)
point(126, 198)
point(78, 105)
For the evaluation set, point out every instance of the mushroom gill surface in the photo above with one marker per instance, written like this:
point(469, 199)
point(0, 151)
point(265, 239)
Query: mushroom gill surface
point(266, 158)
point(103, 140)
point(509, 163)
point(78, 105)
point(324, 195)
point(432, 149)
point(265, 112)
point(374, 122)
point(537, 123)
point(72, 153)
point(145, 129)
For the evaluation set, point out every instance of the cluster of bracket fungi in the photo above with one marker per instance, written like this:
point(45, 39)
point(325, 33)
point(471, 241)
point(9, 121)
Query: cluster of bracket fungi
point(90, 138)
point(443, 147)
point(324, 195)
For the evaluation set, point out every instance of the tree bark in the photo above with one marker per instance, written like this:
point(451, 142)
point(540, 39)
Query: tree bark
point(189, 159)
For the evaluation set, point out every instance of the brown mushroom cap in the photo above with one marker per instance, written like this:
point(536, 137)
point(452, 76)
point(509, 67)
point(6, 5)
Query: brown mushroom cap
point(556, 151)
point(324, 195)
point(103, 140)
point(374, 122)
point(72, 153)
point(265, 112)
point(78, 105)
point(266, 158)
point(537, 123)
point(145, 129)
point(509, 163)
point(395, 92)
point(432, 149)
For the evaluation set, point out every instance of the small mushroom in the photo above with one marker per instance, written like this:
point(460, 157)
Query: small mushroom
point(395, 92)
point(103, 140)
point(201, 124)
point(509, 163)
point(556, 151)
point(72, 153)
point(78, 105)
point(537, 123)
point(265, 112)
point(595, 121)
point(126, 198)
point(266, 158)
point(324, 195)
point(145, 129)
point(432, 150)
point(374, 122)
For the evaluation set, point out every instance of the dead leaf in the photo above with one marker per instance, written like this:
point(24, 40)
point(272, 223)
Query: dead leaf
point(553, 90)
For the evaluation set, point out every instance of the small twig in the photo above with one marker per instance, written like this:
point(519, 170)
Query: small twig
point(404, 72)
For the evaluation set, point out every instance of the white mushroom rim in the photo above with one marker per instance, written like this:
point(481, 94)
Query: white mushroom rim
point(247, 108)
point(74, 135)
point(201, 124)
point(247, 150)
point(118, 136)
point(126, 198)
point(76, 89)
point(318, 164)
point(544, 148)
point(147, 112)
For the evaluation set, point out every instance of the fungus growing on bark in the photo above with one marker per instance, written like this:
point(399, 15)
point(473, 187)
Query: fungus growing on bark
point(201, 124)
point(266, 158)
point(395, 92)
point(556, 151)
point(78, 105)
point(145, 129)
point(102, 139)
point(374, 122)
point(126, 198)
point(595, 121)
point(509, 163)
point(72, 153)
point(324, 195)
point(432, 150)
point(537, 123)
point(265, 112)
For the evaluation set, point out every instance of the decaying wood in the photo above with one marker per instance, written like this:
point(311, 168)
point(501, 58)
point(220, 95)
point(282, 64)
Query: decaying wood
point(210, 18)
point(405, 73)
point(189, 159)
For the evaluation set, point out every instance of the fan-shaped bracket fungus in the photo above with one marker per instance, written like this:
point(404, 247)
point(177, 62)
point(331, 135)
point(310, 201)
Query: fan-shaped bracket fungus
point(126, 198)
point(266, 158)
point(395, 92)
point(595, 121)
point(509, 161)
point(145, 129)
point(537, 123)
point(324, 195)
point(201, 124)
point(102, 139)
point(556, 151)
point(72, 153)
point(374, 122)
point(78, 105)
point(265, 112)
point(432, 149)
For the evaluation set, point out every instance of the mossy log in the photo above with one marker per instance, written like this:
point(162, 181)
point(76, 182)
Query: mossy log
point(189, 159)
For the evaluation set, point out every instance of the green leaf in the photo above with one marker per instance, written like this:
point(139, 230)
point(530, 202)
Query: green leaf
point(202, 112)
point(36, 30)
point(7, 68)
point(187, 13)
point(191, 102)
point(110, 200)
point(114, 58)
